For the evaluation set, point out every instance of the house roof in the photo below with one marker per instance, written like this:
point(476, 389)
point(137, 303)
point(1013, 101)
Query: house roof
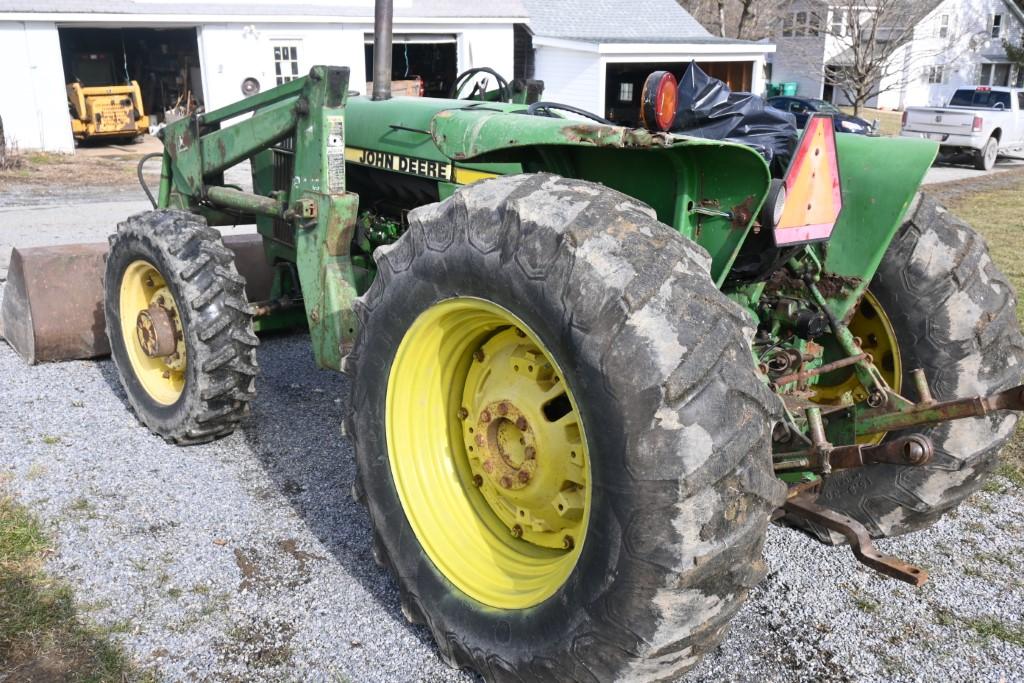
point(441, 9)
point(616, 21)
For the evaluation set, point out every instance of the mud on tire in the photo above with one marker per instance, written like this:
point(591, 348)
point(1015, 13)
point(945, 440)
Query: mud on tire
point(954, 315)
point(217, 324)
point(678, 427)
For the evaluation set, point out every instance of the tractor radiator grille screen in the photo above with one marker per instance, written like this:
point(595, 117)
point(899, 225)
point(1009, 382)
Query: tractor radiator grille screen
point(284, 168)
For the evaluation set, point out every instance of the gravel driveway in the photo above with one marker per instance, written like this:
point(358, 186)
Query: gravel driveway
point(246, 558)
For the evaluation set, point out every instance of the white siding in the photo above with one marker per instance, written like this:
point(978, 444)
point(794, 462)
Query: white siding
point(33, 100)
point(233, 52)
point(571, 77)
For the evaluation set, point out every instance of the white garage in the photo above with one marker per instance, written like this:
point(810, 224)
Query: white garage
point(215, 52)
point(595, 54)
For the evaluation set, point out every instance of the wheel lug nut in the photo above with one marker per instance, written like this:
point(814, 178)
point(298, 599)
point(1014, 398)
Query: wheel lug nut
point(522, 424)
point(485, 416)
point(503, 408)
point(478, 481)
point(568, 543)
point(479, 439)
point(478, 355)
point(524, 476)
point(530, 452)
point(506, 482)
point(463, 413)
point(488, 466)
point(517, 531)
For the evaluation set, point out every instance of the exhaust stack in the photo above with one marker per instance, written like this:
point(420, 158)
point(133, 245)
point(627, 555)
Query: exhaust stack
point(382, 30)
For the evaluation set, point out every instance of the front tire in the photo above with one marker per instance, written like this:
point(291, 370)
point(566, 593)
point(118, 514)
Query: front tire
point(954, 315)
point(660, 397)
point(174, 267)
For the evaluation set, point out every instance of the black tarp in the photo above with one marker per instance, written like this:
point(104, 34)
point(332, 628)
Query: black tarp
point(709, 109)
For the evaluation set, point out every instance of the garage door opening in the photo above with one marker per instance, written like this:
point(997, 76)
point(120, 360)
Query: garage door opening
point(624, 84)
point(428, 57)
point(164, 62)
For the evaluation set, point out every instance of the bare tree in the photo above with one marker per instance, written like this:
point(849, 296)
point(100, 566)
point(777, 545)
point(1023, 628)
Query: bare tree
point(863, 47)
point(743, 19)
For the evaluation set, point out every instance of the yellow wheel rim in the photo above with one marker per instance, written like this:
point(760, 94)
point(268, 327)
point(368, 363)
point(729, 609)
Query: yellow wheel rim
point(872, 326)
point(488, 453)
point(143, 288)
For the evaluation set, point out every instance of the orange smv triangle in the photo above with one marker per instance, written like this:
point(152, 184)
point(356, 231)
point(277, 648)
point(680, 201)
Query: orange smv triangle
point(814, 197)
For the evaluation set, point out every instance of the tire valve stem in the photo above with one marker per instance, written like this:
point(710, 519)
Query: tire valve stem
point(568, 543)
point(517, 531)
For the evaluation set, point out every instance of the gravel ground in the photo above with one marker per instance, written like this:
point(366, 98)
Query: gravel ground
point(246, 558)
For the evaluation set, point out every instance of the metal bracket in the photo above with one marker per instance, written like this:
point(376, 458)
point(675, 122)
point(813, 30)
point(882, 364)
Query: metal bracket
point(806, 507)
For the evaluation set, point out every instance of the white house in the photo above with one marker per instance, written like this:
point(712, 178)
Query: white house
point(591, 54)
point(595, 54)
point(953, 43)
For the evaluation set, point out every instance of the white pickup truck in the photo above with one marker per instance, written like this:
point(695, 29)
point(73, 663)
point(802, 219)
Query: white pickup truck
point(984, 121)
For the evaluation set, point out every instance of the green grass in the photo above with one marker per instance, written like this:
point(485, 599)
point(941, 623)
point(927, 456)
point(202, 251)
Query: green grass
point(997, 214)
point(42, 636)
point(990, 627)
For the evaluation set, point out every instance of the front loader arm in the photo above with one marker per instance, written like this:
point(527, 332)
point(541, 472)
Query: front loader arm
point(310, 110)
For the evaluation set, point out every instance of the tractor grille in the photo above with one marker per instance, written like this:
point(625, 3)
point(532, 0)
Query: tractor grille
point(284, 169)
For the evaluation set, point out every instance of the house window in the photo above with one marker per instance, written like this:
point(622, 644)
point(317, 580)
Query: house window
point(1001, 74)
point(286, 63)
point(997, 25)
point(800, 24)
point(944, 26)
point(837, 26)
point(625, 92)
point(935, 74)
point(986, 74)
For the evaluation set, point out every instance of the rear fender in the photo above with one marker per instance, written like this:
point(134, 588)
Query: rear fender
point(674, 174)
point(880, 178)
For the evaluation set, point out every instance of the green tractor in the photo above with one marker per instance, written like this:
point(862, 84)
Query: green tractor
point(589, 364)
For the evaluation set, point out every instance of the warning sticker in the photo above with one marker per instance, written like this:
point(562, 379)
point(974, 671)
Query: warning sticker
point(335, 154)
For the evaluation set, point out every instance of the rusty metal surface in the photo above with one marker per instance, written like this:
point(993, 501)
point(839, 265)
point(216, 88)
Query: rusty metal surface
point(912, 450)
point(805, 506)
point(53, 301)
point(821, 370)
point(886, 419)
point(156, 331)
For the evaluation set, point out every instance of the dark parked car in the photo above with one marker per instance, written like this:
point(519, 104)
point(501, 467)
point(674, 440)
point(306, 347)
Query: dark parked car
point(804, 107)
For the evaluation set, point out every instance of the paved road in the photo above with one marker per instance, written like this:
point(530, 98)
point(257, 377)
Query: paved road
point(945, 172)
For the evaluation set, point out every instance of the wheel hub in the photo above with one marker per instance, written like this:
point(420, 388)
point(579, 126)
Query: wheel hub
point(507, 446)
point(523, 445)
point(488, 453)
point(152, 332)
point(155, 331)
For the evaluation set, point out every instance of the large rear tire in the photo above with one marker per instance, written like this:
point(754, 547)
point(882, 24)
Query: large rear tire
point(954, 315)
point(171, 284)
point(664, 457)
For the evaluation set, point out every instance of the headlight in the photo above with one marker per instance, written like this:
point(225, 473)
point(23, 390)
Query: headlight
point(851, 126)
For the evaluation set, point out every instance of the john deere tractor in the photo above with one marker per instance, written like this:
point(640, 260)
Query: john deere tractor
point(589, 364)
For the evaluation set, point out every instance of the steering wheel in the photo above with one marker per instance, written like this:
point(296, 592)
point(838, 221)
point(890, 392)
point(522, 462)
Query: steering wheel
point(504, 91)
point(545, 109)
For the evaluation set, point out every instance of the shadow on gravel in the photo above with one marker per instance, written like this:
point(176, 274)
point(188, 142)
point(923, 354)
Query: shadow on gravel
point(295, 432)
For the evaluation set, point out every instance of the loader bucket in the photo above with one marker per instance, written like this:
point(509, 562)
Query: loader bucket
point(53, 306)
